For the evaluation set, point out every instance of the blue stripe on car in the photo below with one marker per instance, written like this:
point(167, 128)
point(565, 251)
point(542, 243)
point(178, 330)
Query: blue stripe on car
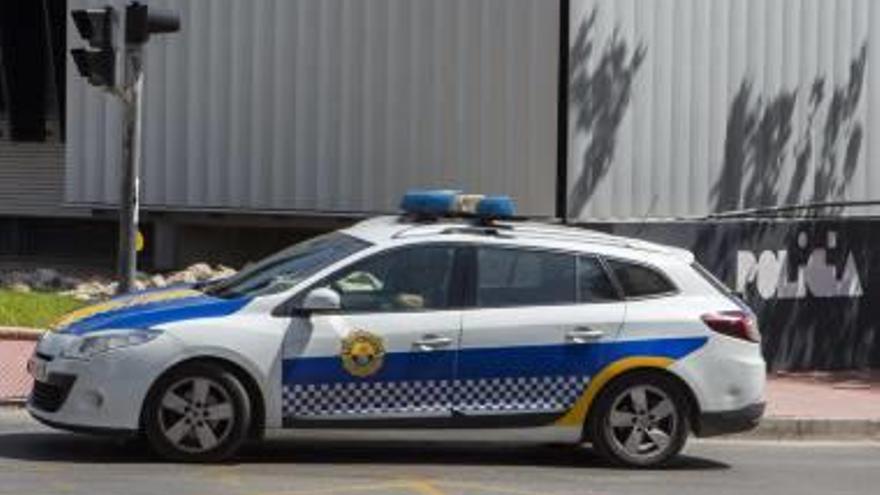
point(156, 313)
point(514, 361)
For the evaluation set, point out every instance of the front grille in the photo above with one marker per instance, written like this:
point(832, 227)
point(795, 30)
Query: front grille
point(50, 396)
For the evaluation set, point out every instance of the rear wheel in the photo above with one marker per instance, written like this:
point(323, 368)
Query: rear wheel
point(197, 413)
point(640, 420)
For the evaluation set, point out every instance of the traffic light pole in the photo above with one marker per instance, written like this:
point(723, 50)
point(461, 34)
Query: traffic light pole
point(131, 161)
point(99, 63)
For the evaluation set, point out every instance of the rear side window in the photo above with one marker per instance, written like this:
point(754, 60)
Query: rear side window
point(519, 277)
point(639, 280)
point(594, 286)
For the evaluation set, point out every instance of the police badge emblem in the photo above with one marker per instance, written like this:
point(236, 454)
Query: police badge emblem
point(362, 353)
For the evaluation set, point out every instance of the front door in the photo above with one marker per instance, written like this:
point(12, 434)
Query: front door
point(388, 355)
point(535, 335)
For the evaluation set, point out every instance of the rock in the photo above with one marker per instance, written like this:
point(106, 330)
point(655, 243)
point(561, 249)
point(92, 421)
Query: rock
point(19, 287)
point(184, 277)
point(12, 278)
point(45, 279)
point(88, 291)
point(158, 281)
point(201, 271)
point(223, 271)
point(68, 283)
point(94, 289)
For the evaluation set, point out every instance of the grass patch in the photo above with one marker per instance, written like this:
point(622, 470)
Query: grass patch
point(34, 309)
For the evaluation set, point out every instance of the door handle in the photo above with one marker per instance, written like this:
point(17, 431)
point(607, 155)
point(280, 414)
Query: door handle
point(432, 342)
point(583, 335)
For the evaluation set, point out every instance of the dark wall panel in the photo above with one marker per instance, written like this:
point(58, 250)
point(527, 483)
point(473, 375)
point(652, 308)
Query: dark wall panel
point(815, 284)
point(25, 51)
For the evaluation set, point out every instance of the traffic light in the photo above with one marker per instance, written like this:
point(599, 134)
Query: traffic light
point(141, 22)
point(97, 63)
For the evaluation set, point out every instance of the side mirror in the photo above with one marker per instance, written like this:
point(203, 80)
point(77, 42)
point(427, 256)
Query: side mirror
point(321, 299)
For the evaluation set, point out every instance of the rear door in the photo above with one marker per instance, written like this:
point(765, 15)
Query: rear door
point(534, 336)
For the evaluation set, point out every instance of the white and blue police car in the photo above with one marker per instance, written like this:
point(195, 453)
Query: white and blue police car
point(453, 320)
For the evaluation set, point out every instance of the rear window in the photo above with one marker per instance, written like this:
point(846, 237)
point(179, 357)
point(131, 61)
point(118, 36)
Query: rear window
point(639, 280)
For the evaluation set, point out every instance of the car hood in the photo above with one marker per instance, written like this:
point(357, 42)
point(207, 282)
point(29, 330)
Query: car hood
point(146, 310)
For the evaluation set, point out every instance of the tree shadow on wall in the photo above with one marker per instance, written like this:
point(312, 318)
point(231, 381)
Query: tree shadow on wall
point(600, 93)
point(760, 140)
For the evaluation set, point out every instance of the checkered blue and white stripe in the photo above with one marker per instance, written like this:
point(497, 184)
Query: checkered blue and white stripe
point(511, 394)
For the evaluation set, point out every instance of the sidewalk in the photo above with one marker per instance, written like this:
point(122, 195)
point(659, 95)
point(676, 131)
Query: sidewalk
point(822, 405)
point(16, 347)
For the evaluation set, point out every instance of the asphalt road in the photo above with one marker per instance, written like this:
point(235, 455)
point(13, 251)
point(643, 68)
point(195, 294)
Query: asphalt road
point(35, 460)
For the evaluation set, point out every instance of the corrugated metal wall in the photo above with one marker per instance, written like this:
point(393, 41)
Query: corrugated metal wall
point(32, 179)
point(332, 105)
point(685, 107)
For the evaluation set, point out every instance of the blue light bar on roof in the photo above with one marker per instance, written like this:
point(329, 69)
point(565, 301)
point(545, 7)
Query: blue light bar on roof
point(438, 202)
point(451, 203)
point(496, 207)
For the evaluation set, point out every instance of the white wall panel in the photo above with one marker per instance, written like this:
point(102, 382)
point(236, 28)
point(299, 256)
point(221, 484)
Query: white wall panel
point(675, 147)
point(332, 105)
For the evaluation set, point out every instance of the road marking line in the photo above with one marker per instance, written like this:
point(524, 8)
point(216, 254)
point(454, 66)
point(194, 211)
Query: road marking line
point(366, 487)
point(489, 488)
point(225, 475)
point(424, 487)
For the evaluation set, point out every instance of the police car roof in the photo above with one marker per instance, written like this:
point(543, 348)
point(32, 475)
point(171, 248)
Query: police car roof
point(387, 230)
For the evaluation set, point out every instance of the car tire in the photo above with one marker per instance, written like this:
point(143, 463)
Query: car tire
point(198, 412)
point(639, 420)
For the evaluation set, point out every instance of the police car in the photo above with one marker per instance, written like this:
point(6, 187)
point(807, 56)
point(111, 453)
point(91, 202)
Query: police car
point(452, 320)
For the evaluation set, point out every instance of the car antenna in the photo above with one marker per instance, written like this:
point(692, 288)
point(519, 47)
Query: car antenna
point(647, 214)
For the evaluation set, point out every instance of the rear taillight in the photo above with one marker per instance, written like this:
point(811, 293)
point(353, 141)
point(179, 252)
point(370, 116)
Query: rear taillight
point(738, 324)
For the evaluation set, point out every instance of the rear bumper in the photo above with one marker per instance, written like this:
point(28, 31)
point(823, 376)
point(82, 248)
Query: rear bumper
point(710, 424)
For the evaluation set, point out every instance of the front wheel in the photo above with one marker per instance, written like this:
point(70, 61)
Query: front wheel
point(197, 413)
point(640, 420)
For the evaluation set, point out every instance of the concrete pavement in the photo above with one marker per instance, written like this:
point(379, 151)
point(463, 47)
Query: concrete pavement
point(34, 460)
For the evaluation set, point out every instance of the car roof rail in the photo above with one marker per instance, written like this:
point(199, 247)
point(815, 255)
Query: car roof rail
point(495, 230)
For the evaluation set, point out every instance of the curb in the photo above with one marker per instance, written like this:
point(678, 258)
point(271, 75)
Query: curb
point(21, 333)
point(814, 429)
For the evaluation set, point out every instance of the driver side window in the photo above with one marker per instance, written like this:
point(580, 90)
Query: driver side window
point(408, 279)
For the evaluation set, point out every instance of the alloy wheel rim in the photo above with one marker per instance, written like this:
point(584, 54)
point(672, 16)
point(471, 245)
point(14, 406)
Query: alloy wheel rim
point(196, 415)
point(642, 423)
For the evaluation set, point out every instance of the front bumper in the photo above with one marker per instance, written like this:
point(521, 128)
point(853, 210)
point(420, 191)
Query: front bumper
point(88, 430)
point(105, 393)
point(710, 424)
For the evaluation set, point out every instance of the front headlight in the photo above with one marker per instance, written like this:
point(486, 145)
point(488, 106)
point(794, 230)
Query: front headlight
point(107, 341)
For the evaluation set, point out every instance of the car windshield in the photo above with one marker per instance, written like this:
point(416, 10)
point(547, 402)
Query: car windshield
point(287, 268)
